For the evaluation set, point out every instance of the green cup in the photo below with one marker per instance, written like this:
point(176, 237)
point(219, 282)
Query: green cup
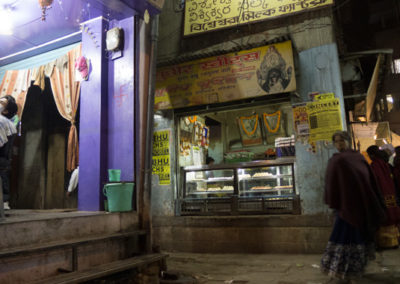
point(114, 175)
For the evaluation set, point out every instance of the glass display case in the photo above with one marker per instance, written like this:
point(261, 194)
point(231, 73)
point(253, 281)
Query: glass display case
point(209, 183)
point(254, 187)
point(272, 180)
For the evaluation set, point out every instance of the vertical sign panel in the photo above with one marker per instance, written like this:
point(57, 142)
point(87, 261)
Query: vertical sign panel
point(161, 156)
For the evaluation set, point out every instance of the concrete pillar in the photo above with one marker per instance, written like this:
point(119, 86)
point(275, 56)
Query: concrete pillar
point(320, 72)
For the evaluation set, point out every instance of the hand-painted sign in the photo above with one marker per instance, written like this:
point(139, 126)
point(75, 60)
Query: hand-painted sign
point(209, 15)
point(161, 156)
point(245, 74)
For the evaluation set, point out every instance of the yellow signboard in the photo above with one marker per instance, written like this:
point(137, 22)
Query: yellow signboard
point(324, 119)
point(209, 15)
point(161, 156)
point(233, 76)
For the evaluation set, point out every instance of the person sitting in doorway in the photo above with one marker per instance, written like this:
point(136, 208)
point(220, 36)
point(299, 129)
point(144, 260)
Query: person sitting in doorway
point(8, 109)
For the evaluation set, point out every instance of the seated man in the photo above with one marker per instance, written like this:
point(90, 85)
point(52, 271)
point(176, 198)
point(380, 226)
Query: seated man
point(8, 108)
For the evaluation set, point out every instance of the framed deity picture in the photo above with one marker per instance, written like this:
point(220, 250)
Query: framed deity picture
point(250, 130)
point(273, 127)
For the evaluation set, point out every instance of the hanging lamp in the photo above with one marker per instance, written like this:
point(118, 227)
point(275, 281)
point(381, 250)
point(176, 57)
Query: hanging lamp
point(45, 4)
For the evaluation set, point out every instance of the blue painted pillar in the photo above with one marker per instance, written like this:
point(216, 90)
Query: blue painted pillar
point(121, 104)
point(93, 118)
point(320, 72)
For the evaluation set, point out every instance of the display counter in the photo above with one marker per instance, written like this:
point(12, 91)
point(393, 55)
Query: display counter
point(258, 187)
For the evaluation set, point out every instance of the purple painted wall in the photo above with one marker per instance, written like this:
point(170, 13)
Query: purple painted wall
point(106, 113)
point(93, 120)
point(121, 105)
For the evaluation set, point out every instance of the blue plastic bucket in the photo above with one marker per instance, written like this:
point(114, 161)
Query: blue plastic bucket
point(119, 196)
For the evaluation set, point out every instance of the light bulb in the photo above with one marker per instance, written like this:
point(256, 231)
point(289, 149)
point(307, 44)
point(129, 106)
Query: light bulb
point(5, 22)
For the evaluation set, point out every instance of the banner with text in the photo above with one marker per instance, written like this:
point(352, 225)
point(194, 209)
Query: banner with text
point(233, 76)
point(161, 156)
point(209, 15)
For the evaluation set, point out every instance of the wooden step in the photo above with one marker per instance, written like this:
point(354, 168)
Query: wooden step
point(67, 243)
point(104, 269)
point(31, 227)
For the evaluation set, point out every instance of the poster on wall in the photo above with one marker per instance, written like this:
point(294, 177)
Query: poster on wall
point(161, 156)
point(250, 130)
point(300, 119)
point(324, 97)
point(324, 119)
point(233, 76)
point(209, 15)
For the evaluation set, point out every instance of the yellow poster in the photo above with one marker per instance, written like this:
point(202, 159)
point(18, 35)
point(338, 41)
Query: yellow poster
point(233, 76)
point(324, 119)
point(324, 97)
point(161, 156)
point(208, 15)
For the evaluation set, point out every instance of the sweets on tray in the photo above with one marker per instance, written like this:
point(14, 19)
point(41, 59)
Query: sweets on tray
point(227, 187)
point(244, 176)
point(265, 174)
point(214, 189)
point(284, 187)
point(261, 187)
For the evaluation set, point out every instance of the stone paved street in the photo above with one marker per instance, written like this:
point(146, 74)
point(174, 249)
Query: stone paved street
point(274, 268)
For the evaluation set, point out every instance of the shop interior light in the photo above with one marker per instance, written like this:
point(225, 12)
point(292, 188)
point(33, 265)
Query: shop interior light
point(5, 22)
point(375, 137)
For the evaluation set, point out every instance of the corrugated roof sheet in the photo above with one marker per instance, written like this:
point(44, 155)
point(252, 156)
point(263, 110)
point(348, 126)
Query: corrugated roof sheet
point(205, 53)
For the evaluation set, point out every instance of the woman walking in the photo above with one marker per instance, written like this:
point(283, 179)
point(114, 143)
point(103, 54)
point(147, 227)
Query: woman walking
point(351, 190)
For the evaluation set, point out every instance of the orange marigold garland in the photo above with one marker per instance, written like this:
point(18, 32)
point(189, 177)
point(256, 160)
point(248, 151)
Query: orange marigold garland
point(255, 125)
point(278, 123)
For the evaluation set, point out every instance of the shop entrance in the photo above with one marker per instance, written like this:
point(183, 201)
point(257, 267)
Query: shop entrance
point(38, 177)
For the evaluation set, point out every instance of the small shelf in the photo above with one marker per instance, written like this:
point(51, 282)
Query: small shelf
point(264, 178)
point(210, 192)
point(267, 190)
point(211, 180)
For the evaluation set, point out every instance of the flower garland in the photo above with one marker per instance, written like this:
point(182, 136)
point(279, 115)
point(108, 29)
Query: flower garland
point(255, 125)
point(278, 113)
point(192, 120)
